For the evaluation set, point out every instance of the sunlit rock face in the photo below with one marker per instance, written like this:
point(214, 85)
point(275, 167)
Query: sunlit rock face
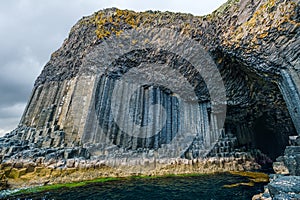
point(81, 106)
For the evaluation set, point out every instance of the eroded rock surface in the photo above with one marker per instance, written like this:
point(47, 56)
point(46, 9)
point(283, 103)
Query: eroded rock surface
point(70, 119)
point(285, 184)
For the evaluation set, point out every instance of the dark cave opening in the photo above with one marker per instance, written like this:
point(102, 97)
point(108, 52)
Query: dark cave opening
point(266, 139)
point(257, 114)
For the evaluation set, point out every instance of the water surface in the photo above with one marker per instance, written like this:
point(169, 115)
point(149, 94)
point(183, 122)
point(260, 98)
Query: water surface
point(204, 187)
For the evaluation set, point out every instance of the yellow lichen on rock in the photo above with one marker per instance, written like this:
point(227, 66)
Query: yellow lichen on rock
point(268, 16)
point(254, 176)
point(115, 21)
point(107, 25)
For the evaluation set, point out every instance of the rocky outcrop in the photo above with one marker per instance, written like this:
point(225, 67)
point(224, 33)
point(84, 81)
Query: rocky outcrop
point(285, 183)
point(128, 88)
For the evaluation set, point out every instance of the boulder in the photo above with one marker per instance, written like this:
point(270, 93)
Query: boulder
point(285, 186)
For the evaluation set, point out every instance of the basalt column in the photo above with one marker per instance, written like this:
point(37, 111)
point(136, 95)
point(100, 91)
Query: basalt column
point(75, 102)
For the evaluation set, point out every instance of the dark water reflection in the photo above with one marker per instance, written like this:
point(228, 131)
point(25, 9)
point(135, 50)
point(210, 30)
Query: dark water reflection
point(196, 187)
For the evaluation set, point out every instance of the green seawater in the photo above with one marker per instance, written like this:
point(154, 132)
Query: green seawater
point(175, 187)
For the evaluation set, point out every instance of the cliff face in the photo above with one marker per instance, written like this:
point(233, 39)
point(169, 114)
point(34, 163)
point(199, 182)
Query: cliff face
point(82, 107)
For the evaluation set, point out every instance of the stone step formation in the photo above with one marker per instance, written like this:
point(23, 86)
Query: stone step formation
point(136, 89)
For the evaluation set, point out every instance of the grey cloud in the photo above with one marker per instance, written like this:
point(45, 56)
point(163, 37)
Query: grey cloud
point(12, 111)
point(8, 123)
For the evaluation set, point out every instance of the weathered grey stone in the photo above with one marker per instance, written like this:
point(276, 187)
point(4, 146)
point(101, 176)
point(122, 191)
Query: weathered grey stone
point(292, 159)
point(294, 140)
point(286, 186)
point(286, 196)
point(70, 163)
point(280, 168)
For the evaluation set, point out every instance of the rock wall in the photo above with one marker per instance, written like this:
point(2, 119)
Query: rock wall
point(75, 109)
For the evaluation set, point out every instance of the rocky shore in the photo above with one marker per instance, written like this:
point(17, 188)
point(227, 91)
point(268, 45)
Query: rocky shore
point(285, 184)
point(27, 165)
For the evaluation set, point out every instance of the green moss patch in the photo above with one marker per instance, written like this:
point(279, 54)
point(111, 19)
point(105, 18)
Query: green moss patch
point(63, 185)
point(98, 180)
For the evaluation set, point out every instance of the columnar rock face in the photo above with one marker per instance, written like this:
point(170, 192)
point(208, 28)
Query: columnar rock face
point(75, 103)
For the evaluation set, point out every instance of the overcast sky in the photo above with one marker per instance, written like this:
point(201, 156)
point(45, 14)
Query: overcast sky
point(30, 30)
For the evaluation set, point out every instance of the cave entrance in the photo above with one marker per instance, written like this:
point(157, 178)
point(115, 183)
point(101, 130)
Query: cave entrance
point(257, 114)
point(266, 140)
